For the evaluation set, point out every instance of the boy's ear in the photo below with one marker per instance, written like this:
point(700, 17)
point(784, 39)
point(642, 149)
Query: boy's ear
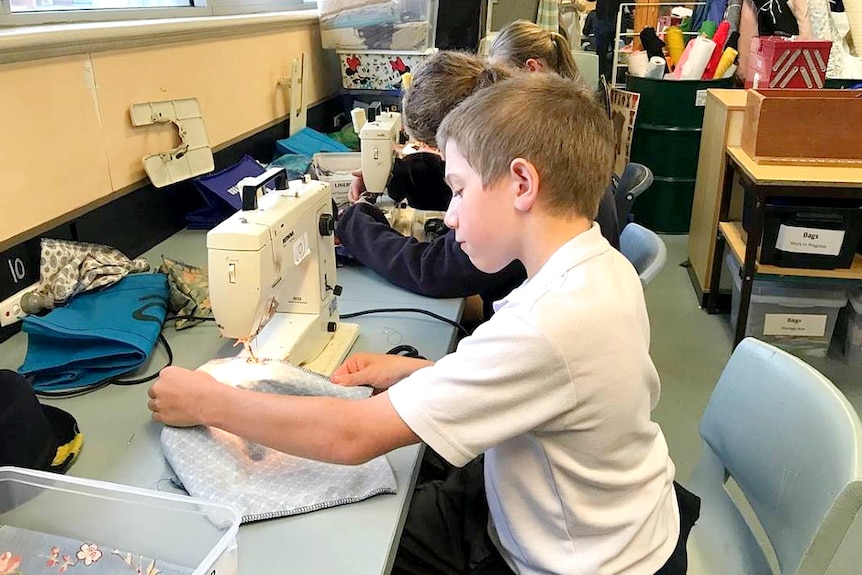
point(526, 178)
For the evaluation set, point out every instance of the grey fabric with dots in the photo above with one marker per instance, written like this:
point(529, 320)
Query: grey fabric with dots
point(67, 268)
point(261, 482)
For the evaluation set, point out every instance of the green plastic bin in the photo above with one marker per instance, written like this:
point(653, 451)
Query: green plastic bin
point(666, 139)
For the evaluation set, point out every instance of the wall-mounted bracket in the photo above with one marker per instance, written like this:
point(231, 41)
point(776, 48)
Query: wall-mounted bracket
point(192, 157)
point(294, 99)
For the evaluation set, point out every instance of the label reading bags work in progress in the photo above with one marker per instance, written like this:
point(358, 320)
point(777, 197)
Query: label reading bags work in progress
point(809, 240)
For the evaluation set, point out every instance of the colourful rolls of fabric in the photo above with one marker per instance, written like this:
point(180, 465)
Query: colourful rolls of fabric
point(637, 63)
point(719, 38)
point(695, 64)
point(725, 63)
point(655, 68)
point(675, 43)
point(708, 29)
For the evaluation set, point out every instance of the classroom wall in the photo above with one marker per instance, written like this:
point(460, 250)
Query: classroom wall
point(67, 144)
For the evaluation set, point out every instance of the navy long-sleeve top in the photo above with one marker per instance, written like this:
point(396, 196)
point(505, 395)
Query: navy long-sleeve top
point(438, 268)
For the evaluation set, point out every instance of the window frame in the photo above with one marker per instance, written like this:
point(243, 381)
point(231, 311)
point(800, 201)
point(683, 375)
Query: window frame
point(198, 9)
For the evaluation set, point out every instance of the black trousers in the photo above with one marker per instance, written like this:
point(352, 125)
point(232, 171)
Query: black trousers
point(446, 533)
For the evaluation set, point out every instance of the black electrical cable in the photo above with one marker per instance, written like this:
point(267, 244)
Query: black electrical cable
point(77, 392)
point(454, 323)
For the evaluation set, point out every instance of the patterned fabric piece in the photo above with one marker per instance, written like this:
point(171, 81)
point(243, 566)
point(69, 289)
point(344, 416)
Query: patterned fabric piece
point(67, 268)
point(824, 28)
point(190, 293)
point(261, 482)
point(26, 552)
point(548, 16)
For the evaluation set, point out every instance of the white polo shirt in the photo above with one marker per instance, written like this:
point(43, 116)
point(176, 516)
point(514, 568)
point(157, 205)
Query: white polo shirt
point(556, 389)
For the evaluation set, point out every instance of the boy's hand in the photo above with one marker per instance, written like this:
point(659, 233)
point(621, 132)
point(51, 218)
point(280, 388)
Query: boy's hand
point(380, 371)
point(357, 186)
point(179, 396)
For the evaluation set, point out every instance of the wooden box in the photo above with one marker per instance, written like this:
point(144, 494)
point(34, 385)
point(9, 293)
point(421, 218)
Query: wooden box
point(818, 127)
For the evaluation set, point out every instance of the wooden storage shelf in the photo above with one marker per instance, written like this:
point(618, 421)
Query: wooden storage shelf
point(735, 235)
point(763, 182)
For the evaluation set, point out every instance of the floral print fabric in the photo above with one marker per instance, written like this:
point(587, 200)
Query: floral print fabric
point(26, 552)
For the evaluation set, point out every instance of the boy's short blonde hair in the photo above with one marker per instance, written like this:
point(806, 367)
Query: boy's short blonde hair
point(440, 83)
point(550, 121)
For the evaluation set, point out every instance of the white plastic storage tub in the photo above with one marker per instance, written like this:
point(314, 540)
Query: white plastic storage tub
point(405, 25)
point(335, 168)
point(137, 523)
point(850, 330)
point(796, 316)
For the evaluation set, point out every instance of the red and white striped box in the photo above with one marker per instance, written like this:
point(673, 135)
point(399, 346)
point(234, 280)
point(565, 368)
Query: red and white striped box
point(776, 62)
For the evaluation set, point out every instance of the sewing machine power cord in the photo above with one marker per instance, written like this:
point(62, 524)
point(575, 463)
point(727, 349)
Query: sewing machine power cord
point(451, 322)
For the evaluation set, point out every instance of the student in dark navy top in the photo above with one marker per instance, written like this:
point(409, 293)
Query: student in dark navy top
point(436, 268)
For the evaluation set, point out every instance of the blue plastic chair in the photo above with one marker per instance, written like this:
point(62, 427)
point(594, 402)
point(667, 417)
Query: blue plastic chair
point(635, 180)
point(645, 250)
point(793, 444)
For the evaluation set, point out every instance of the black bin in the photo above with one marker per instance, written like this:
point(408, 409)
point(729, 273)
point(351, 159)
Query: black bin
point(806, 233)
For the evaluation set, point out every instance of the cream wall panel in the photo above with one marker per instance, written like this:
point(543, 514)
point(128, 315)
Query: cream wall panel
point(234, 79)
point(52, 154)
point(67, 144)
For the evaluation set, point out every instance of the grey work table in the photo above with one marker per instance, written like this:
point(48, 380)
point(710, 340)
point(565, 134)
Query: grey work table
point(121, 442)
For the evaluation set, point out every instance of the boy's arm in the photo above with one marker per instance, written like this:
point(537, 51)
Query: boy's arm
point(322, 428)
point(435, 269)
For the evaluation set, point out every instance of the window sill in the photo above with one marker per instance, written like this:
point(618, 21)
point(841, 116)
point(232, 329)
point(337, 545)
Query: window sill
point(47, 41)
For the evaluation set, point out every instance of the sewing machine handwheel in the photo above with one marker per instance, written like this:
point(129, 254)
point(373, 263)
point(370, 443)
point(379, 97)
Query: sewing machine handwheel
point(326, 225)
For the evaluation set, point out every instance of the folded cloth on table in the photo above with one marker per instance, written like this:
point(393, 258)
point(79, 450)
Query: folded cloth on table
point(190, 293)
point(309, 142)
point(261, 482)
point(99, 335)
point(67, 268)
point(296, 165)
point(219, 189)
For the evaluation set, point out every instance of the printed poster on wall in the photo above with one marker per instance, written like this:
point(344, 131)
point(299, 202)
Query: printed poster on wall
point(624, 109)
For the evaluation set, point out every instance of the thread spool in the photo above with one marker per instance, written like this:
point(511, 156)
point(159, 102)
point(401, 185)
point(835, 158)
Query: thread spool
point(358, 117)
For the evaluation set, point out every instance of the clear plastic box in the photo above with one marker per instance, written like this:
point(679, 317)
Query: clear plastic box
point(850, 328)
point(181, 530)
point(335, 168)
point(797, 316)
point(403, 25)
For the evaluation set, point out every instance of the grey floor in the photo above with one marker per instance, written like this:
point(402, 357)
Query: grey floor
point(690, 348)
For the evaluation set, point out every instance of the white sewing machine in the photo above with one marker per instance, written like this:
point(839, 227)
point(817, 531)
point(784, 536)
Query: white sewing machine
point(272, 270)
point(378, 138)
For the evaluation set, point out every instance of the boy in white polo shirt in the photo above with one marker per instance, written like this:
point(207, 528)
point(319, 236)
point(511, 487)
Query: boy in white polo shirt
point(555, 390)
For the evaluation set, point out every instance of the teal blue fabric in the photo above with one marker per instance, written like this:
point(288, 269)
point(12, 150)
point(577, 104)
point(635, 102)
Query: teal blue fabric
point(309, 142)
point(98, 335)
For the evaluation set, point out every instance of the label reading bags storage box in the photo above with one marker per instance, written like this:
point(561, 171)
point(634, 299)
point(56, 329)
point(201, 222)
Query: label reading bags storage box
point(809, 240)
point(795, 324)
